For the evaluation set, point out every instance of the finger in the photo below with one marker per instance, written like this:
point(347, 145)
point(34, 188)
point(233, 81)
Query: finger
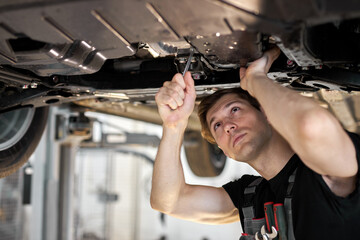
point(173, 104)
point(166, 100)
point(242, 72)
point(271, 56)
point(178, 78)
point(159, 96)
point(180, 90)
point(190, 85)
point(174, 86)
point(242, 85)
point(169, 97)
point(179, 98)
point(273, 53)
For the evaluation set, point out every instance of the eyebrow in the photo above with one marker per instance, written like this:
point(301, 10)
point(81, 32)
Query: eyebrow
point(226, 106)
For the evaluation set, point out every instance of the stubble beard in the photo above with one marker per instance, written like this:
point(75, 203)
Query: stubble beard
point(249, 151)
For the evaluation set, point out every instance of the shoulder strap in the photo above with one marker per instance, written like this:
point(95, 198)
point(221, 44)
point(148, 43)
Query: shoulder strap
point(248, 204)
point(249, 197)
point(287, 203)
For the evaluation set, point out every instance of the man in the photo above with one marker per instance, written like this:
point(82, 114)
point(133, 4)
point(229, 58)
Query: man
point(287, 133)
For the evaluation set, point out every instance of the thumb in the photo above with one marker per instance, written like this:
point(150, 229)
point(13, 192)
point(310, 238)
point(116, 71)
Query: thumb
point(190, 85)
point(271, 55)
point(242, 72)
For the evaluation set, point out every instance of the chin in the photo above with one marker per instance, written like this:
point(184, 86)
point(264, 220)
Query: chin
point(247, 153)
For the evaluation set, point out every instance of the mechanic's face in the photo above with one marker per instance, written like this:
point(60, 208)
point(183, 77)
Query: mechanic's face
point(238, 128)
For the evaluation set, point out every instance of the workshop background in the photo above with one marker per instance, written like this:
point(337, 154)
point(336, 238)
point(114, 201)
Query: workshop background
point(76, 189)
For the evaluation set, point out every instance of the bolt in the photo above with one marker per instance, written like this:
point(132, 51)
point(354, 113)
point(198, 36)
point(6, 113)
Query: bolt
point(196, 76)
point(206, 44)
point(272, 39)
point(305, 68)
point(209, 90)
point(207, 51)
point(33, 85)
point(25, 86)
point(290, 63)
point(55, 79)
point(182, 60)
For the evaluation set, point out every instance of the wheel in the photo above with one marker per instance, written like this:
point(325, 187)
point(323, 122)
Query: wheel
point(204, 159)
point(20, 133)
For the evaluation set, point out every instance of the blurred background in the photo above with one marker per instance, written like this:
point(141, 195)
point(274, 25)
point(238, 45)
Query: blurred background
point(90, 179)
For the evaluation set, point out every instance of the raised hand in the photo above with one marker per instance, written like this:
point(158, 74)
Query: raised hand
point(258, 67)
point(176, 99)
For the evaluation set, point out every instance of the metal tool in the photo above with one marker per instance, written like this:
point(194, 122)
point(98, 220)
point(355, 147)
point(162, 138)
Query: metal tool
point(188, 61)
point(266, 236)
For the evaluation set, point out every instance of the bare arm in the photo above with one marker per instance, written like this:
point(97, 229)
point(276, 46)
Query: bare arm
point(313, 133)
point(170, 194)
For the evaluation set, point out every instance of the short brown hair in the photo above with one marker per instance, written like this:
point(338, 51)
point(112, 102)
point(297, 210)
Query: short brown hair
point(210, 101)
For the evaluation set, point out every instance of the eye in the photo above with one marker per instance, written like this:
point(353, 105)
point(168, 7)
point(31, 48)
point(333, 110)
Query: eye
point(216, 125)
point(235, 109)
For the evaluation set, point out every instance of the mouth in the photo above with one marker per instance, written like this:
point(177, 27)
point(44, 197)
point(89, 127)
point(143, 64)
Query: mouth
point(238, 138)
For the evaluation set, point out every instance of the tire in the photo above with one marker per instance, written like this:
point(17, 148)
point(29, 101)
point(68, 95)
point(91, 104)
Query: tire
point(20, 133)
point(204, 159)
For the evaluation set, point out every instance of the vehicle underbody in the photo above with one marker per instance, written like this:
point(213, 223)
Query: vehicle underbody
point(112, 56)
point(53, 52)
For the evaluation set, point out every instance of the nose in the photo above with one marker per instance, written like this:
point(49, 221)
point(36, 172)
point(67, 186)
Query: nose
point(229, 127)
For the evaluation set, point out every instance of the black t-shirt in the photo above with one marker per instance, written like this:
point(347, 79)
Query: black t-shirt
point(317, 212)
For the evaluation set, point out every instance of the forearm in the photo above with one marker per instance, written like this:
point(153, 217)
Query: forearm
point(312, 131)
point(168, 176)
point(284, 108)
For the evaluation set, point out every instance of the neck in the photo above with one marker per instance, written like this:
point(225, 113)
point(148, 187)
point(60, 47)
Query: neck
point(273, 158)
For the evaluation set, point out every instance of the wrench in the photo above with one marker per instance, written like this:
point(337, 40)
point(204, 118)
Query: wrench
point(266, 236)
point(188, 61)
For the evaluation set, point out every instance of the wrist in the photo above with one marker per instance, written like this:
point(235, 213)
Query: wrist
point(179, 126)
point(173, 133)
point(253, 80)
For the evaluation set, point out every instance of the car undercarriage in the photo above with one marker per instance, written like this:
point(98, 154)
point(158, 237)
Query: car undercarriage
point(112, 56)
